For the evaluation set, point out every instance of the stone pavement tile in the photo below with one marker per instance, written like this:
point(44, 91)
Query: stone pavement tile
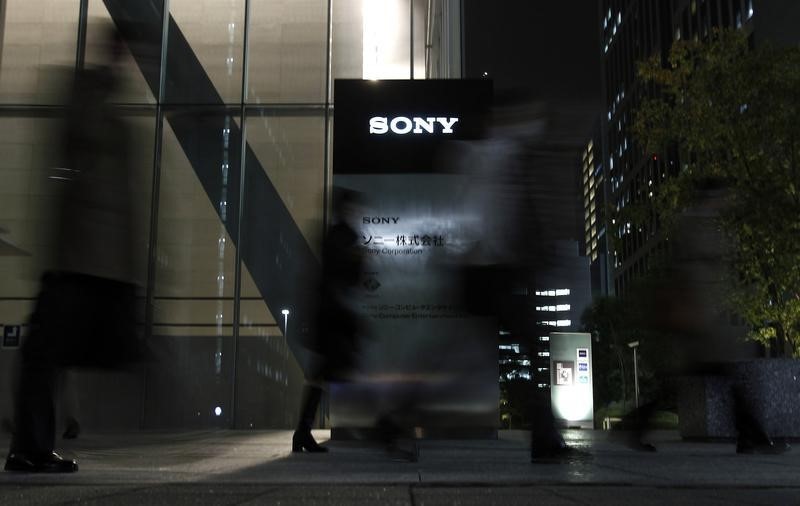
point(771, 497)
point(511, 466)
point(523, 473)
point(340, 466)
point(144, 460)
point(180, 495)
point(487, 496)
point(662, 496)
point(689, 469)
point(321, 495)
point(40, 495)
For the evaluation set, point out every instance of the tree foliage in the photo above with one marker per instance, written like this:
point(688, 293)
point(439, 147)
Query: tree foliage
point(612, 325)
point(732, 112)
point(614, 322)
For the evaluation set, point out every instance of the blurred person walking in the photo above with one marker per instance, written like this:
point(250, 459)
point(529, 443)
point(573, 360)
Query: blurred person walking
point(683, 304)
point(500, 266)
point(68, 405)
point(84, 314)
point(335, 337)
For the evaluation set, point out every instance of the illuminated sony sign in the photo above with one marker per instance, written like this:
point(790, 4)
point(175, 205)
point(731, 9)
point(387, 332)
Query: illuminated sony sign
point(379, 220)
point(379, 125)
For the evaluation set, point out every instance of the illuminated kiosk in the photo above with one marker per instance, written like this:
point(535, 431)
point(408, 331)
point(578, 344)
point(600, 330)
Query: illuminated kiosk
point(424, 359)
point(571, 379)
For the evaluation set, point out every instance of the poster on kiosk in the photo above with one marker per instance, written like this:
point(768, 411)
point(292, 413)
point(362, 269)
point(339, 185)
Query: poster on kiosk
point(421, 352)
point(571, 388)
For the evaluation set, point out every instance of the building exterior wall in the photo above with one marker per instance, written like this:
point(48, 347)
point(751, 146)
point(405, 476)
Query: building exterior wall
point(231, 104)
point(632, 31)
point(594, 203)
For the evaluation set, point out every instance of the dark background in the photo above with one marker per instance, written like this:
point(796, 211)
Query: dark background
point(549, 48)
point(549, 54)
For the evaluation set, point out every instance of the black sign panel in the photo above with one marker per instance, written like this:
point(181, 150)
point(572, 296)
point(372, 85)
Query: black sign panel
point(398, 126)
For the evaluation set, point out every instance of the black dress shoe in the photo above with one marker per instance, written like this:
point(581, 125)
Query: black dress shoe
point(304, 441)
point(52, 463)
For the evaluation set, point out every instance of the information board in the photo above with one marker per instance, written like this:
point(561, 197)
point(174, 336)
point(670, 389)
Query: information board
point(571, 389)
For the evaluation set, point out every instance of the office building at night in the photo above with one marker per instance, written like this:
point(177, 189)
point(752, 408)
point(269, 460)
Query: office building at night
point(593, 194)
point(632, 31)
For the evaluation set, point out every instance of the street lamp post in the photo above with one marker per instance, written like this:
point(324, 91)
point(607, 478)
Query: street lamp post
point(633, 345)
point(285, 313)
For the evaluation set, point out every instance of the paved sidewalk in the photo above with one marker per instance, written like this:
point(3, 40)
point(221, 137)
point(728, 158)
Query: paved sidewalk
point(239, 467)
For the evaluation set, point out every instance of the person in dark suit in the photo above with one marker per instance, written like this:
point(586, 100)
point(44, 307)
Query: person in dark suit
point(335, 339)
point(84, 315)
point(501, 266)
point(685, 301)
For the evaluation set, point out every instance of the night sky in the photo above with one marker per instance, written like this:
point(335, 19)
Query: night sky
point(548, 51)
point(550, 48)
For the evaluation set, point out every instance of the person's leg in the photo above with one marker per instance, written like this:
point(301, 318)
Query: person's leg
point(302, 439)
point(752, 437)
point(34, 425)
point(546, 440)
point(395, 421)
point(640, 420)
point(34, 417)
point(34, 410)
point(68, 404)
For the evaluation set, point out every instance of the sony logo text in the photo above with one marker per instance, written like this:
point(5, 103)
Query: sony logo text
point(379, 125)
point(379, 220)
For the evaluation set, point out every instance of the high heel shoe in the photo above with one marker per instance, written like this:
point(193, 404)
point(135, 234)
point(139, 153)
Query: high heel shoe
point(304, 441)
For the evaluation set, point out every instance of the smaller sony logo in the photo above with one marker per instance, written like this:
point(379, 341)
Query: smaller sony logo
point(379, 125)
point(379, 220)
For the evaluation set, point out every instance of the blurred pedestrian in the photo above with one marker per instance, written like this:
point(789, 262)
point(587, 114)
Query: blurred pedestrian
point(500, 265)
point(68, 405)
point(683, 302)
point(335, 338)
point(84, 314)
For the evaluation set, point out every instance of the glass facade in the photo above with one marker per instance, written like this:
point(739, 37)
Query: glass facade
point(231, 105)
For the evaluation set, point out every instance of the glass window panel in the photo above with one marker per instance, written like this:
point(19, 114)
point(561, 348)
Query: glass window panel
point(29, 196)
point(256, 318)
point(204, 60)
point(29, 193)
point(371, 39)
point(347, 49)
point(289, 147)
point(386, 43)
point(269, 378)
point(288, 155)
point(194, 285)
point(27, 200)
point(287, 51)
point(38, 44)
point(196, 253)
point(145, 47)
point(142, 122)
point(420, 26)
point(188, 381)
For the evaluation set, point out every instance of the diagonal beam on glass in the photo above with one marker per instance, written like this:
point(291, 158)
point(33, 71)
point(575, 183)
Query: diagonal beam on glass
point(278, 258)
